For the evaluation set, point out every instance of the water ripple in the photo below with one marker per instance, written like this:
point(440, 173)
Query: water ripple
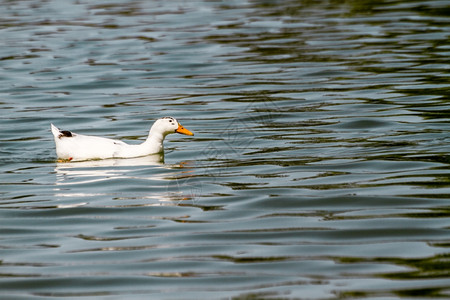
point(318, 170)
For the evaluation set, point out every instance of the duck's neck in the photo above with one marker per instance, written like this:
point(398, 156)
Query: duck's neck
point(154, 141)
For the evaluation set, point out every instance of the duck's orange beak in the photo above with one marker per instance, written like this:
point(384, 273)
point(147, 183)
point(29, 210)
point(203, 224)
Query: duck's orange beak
point(183, 130)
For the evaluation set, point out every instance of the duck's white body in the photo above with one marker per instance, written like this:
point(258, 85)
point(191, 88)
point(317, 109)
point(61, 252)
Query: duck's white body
point(76, 147)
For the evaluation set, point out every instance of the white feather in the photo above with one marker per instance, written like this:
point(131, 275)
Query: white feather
point(76, 147)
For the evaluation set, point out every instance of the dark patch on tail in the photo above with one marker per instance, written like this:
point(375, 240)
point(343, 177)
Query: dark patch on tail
point(65, 133)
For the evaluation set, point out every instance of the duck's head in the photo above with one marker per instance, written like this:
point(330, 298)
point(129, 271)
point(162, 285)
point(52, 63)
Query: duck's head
point(168, 125)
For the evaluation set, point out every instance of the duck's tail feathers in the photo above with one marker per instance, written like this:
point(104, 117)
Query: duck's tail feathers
point(55, 130)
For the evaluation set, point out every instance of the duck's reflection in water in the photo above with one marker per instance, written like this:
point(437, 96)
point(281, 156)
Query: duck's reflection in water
point(148, 160)
point(132, 178)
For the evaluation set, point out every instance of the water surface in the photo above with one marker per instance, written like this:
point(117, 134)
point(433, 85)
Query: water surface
point(319, 168)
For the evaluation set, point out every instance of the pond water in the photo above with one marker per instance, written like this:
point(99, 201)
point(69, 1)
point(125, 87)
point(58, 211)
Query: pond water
point(319, 168)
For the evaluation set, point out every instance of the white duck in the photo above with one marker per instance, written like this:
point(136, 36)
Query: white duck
point(76, 147)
